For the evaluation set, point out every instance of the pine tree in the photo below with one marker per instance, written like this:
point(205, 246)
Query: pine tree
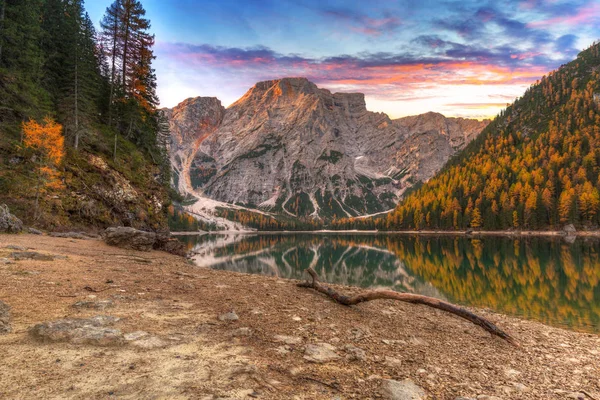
point(111, 42)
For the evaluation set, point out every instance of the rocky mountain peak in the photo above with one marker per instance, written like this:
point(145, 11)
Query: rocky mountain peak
point(289, 147)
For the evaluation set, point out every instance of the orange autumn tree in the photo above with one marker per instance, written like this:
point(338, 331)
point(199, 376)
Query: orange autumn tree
point(47, 140)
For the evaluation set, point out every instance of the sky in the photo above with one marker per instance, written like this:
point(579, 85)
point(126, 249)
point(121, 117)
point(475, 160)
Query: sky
point(466, 58)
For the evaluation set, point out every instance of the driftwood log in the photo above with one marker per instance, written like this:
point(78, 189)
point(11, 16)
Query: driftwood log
point(316, 284)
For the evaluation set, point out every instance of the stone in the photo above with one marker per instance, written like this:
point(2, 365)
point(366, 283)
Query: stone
point(569, 229)
point(5, 318)
point(288, 339)
point(137, 335)
point(511, 373)
point(149, 343)
point(327, 136)
point(355, 353)
point(519, 387)
point(230, 316)
point(93, 331)
point(8, 222)
point(6, 261)
point(129, 238)
point(70, 235)
point(34, 231)
point(31, 255)
point(320, 353)
point(392, 362)
point(94, 305)
point(241, 332)
point(15, 247)
point(401, 390)
point(487, 397)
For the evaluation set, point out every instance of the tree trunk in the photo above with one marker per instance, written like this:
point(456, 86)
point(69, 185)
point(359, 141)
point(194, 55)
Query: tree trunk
point(126, 34)
point(113, 73)
point(115, 149)
point(2, 10)
point(76, 100)
point(37, 193)
point(406, 297)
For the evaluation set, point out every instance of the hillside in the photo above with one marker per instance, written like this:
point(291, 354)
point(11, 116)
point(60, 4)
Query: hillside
point(290, 148)
point(104, 164)
point(536, 166)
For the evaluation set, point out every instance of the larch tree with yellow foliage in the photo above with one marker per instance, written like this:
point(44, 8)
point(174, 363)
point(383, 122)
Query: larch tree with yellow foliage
point(47, 141)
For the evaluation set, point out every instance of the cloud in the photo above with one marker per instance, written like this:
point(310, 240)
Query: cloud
point(360, 22)
point(572, 16)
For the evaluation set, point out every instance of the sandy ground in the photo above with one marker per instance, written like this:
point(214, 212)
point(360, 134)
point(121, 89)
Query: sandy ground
point(205, 358)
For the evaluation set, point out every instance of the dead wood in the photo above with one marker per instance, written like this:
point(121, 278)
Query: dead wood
point(406, 297)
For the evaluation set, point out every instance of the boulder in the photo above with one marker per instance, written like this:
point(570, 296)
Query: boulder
point(569, 229)
point(8, 222)
point(4, 318)
point(94, 331)
point(164, 242)
point(129, 238)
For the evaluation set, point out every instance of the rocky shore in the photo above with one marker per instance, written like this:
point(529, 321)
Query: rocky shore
point(82, 320)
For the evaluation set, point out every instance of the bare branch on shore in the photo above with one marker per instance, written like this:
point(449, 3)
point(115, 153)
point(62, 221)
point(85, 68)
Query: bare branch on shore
point(406, 297)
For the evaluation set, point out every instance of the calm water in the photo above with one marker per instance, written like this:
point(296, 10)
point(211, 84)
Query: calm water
point(548, 280)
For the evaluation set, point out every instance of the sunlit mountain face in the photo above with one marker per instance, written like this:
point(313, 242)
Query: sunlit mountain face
point(550, 280)
point(460, 58)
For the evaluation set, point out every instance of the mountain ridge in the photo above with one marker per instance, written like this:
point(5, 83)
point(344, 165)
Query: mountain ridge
point(289, 147)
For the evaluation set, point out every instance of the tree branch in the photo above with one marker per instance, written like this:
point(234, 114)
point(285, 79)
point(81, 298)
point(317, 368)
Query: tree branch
point(406, 297)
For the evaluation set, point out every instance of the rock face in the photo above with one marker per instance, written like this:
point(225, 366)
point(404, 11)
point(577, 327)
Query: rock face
point(4, 318)
point(8, 222)
point(287, 146)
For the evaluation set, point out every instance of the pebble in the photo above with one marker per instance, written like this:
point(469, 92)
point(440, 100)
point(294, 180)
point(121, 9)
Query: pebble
point(135, 335)
point(95, 305)
point(5, 318)
point(355, 353)
point(242, 332)
point(288, 339)
point(230, 316)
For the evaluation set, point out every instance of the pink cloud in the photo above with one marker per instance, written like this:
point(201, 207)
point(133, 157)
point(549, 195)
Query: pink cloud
point(586, 15)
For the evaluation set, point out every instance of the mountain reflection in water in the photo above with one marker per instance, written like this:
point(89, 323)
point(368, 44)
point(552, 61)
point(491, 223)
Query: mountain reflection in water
point(548, 280)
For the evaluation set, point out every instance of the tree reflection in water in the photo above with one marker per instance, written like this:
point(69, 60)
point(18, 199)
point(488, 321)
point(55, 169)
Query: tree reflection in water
point(544, 279)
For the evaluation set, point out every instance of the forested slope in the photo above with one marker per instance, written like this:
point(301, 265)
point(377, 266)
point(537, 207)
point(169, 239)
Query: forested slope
point(535, 166)
point(106, 165)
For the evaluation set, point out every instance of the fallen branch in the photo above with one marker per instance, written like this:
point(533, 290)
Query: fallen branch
point(406, 297)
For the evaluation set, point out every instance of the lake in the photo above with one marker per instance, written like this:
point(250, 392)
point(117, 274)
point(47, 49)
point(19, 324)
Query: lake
point(544, 279)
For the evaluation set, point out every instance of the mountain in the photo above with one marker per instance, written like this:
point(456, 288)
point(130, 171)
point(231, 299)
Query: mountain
point(291, 148)
point(536, 166)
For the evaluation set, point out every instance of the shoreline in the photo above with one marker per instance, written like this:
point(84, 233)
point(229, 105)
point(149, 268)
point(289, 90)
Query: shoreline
point(284, 342)
point(505, 233)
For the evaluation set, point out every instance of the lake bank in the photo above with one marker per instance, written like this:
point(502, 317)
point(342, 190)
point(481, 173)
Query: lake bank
point(506, 233)
point(263, 353)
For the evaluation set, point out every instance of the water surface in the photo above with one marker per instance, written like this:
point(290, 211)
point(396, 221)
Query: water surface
point(545, 279)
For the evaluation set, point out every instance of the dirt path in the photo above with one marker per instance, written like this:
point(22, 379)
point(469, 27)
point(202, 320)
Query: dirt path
point(201, 357)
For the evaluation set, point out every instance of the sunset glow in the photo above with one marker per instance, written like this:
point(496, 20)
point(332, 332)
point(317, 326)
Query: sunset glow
point(467, 58)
